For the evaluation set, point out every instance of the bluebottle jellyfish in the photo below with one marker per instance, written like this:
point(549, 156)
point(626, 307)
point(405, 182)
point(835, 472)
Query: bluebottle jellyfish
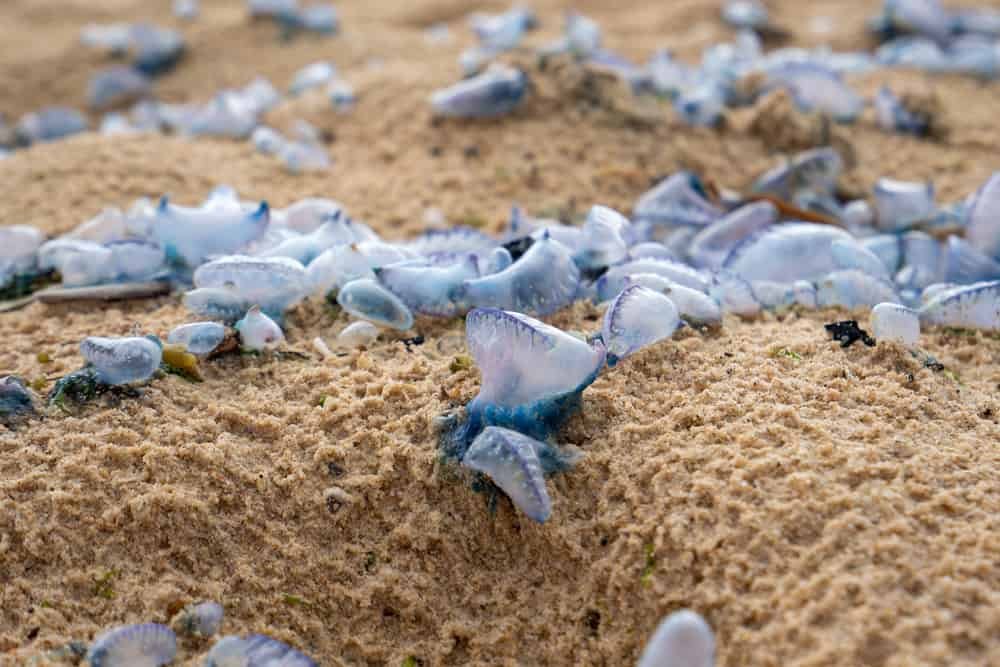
point(273, 283)
point(192, 235)
point(144, 645)
point(497, 91)
point(533, 376)
point(430, 290)
point(258, 332)
point(255, 651)
point(896, 323)
point(366, 299)
point(975, 306)
point(636, 318)
point(119, 361)
point(198, 338)
point(544, 280)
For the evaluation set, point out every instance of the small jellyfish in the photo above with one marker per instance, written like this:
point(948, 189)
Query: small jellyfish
point(773, 294)
point(851, 288)
point(694, 306)
point(50, 124)
point(816, 170)
point(321, 19)
point(710, 247)
point(268, 141)
point(680, 199)
point(545, 279)
point(307, 215)
point(145, 645)
point(804, 249)
point(273, 283)
point(745, 14)
point(300, 157)
point(19, 245)
point(816, 87)
point(201, 620)
point(613, 281)
point(533, 376)
point(217, 303)
point(135, 260)
point(192, 235)
point(273, 9)
point(367, 300)
point(961, 262)
point(307, 247)
point(805, 294)
point(975, 306)
point(343, 263)
point(255, 651)
point(117, 86)
point(198, 338)
point(502, 32)
point(982, 229)
point(604, 242)
point(683, 639)
point(734, 294)
point(636, 318)
point(258, 332)
point(651, 250)
point(583, 35)
point(702, 105)
point(341, 95)
point(495, 92)
point(187, 10)
point(896, 323)
point(887, 247)
point(261, 95)
point(893, 116)
point(511, 460)
point(157, 50)
point(430, 290)
point(455, 240)
point(849, 254)
point(119, 361)
point(901, 204)
point(312, 76)
point(858, 214)
point(357, 334)
point(115, 38)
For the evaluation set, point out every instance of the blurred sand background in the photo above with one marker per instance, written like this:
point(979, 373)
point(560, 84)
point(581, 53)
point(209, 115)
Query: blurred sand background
point(818, 506)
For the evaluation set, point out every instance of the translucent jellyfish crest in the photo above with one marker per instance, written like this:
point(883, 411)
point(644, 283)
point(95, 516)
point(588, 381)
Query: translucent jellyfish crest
point(636, 318)
point(544, 280)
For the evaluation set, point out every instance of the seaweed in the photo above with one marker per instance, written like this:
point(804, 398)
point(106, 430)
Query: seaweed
point(847, 332)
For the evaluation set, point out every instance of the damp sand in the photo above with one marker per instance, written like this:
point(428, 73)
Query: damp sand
point(819, 506)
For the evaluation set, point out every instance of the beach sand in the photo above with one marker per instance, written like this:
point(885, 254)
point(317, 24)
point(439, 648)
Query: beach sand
point(819, 506)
